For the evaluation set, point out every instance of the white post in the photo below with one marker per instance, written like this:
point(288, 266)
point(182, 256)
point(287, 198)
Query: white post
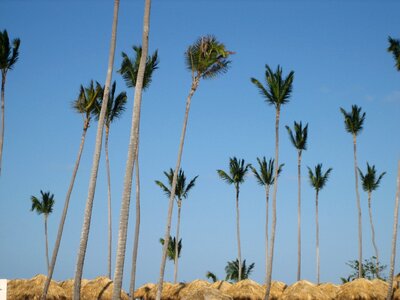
point(3, 289)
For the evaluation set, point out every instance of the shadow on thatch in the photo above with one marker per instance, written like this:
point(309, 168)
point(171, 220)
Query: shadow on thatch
point(277, 288)
point(363, 289)
point(221, 285)
point(100, 288)
point(329, 289)
point(303, 290)
point(144, 291)
point(246, 290)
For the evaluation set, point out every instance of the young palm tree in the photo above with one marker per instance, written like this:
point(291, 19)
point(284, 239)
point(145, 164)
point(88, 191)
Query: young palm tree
point(181, 192)
point(370, 183)
point(237, 173)
point(318, 181)
point(8, 58)
point(277, 93)
point(353, 122)
point(234, 268)
point(299, 141)
point(394, 48)
point(174, 248)
point(85, 105)
point(266, 178)
point(115, 107)
point(206, 59)
point(44, 206)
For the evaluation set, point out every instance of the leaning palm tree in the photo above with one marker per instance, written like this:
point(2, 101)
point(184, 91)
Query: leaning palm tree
point(44, 206)
point(206, 59)
point(394, 48)
point(8, 58)
point(85, 105)
point(266, 178)
point(318, 181)
point(299, 141)
point(181, 192)
point(237, 173)
point(370, 183)
point(353, 122)
point(115, 107)
point(277, 93)
point(234, 268)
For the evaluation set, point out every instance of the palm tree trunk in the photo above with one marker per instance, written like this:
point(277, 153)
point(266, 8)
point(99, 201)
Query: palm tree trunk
point(3, 83)
point(96, 160)
point(266, 229)
point(108, 203)
point(238, 234)
point(47, 243)
point(358, 208)
point(373, 234)
point(394, 237)
point(273, 229)
point(132, 154)
point(64, 213)
point(177, 241)
point(137, 227)
point(195, 84)
point(299, 217)
point(317, 233)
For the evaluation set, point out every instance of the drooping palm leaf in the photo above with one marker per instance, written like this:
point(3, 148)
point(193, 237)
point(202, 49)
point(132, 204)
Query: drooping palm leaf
point(8, 54)
point(318, 179)
point(299, 138)
point(394, 47)
point(266, 174)
point(369, 180)
point(354, 119)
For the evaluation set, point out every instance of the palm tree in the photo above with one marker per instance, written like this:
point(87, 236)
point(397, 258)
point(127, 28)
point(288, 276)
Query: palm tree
point(233, 270)
point(277, 93)
point(115, 107)
point(299, 141)
point(206, 59)
point(212, 276)
point(96, 160)
point(44, 206)
point(181, 192)
point(318, 181)
point(85, 105)
point(8, 58)
point(394, 237)
point(174, 248)
point(354, 121)
point(266, 178)
point(237, 173)
point(370, 183)
point(394, 47)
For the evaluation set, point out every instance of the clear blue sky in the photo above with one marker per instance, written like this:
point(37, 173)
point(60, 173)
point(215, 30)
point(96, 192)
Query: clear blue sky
point(338, 52)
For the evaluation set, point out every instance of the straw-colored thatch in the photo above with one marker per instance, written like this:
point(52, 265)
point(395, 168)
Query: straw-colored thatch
point(246, 290)
point(207, 293)
point(277, 288)
point(144, 291)
point(221, 285)
point(362, 289)
point(68, 286)
point(169, 292)
point(192, 287)
point(329, 289)
point(22, 289)
point(99, 288)
point(303, 290)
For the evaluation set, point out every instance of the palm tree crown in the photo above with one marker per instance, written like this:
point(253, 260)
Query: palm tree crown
point(115, 105)
point(87, 99)
point(369, 180)
point(232, 269)
point(353, 120)
point(43, 206)
point(172, 247)
point(317, 179)
point(394, 47)
point(237, 171)
point(299, 138)
point(181, 190)
point(8, 54)
point(266, 175)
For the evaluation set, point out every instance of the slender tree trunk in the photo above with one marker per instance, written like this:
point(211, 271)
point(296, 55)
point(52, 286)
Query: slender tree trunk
point(394, 237)
point(132, 154)
point(266, 229)
point(274, 219)
point(3, 83)
point(108, 203)
point(64, 213)
point(195, 84)
point(359, 209)
point(96, 160)
point(177, 241)
point(317, 234)
point(238, 234)
point(373, 234)
point(47, 243)
point(137, 228)
point(299, 216)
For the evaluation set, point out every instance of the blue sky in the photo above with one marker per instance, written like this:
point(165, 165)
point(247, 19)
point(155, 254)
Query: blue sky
point(338, 52)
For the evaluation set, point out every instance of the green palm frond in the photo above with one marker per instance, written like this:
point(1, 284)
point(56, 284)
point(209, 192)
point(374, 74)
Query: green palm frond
point(299, 138)
point(222, 174)
point(232, 269)
point(8, 54)
point(237, 169)
point(171, 247)
point(87, 100)
point(181, 189)
point(369, 180)
point(353, 120)
point(394, 48)
point(317, 179)
point(43, 205)
point(266, 175)
point(212, 276)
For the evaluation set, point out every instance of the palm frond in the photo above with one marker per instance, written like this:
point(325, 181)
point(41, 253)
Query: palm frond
point(9, 54)
point(394, 48)
point(222, 174)
point(318, 179)
point(353, 120)
point(369, 180)
point(43, 205)
point(299, 138)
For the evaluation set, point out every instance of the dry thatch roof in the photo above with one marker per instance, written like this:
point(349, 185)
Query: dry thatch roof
point(329, 289)
point(192, 287)
point(303, 290)
point(68, 286)
point(363, 289)
point(100, 288)
point(144, 291)
point(169, 292)
point(221, 285)
point(207, 293)
point(246, 290)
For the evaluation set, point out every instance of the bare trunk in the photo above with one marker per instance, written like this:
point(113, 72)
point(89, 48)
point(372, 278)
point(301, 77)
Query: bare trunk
point(132, 154)
point(47, 243)
point(64, 213)
point(177, 241)
point(394, 237)
point(238, 234)
point(317, 234)
point(266, 229)
point(299, 217)
point(193, 88)
point(359, 209)
point(96, 160)
point(108, 203)
point(3, 83)
point(373, 234)
point(272, 244)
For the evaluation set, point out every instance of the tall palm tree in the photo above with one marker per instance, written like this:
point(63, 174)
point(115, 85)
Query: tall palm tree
point(115, 107)
point(370, 183)
point(266, 178)
point(233, 270)
point(237, 173)
point(206, 59)
point(318, 181)
point(394, 48)
point(8, 57)
point(277, 92)
point(181, 192)
point(85, 105)
point(299, 141)
point(96, 160)
point(353, 122)
point(44, 206)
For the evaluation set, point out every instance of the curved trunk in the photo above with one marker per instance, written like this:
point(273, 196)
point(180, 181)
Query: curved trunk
point(47, 243)
point(108, 202)
point(266, 228)
point(178, 223)
point(132, 154)
point(193, 88)
point(96, 160)
point(317, 233)
point(3, 83)
point(373, 234)
point(359, 209)
point(273, 229)
point(394, 237)
point(299, 216)
point(238, 234)
point(64, 213)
